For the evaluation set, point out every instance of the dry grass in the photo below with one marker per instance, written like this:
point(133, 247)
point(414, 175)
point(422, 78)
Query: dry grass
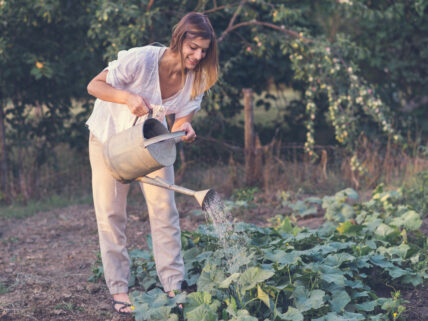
point(277, 167)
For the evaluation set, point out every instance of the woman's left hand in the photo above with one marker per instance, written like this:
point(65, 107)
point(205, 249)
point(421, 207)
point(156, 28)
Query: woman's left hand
point(190, 132)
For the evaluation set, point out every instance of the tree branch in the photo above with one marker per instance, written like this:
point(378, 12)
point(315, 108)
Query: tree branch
point(232, 21)
point(288, 32)
point(220, 8)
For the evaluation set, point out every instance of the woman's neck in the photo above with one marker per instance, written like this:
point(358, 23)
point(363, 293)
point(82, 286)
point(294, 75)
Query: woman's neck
point(170, 64)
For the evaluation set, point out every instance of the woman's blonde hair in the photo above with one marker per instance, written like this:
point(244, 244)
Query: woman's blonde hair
point(191, 26)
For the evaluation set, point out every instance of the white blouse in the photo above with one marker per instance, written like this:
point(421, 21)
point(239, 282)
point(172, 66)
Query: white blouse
point(136, 71)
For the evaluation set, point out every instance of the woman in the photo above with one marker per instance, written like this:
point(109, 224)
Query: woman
point(175, 78)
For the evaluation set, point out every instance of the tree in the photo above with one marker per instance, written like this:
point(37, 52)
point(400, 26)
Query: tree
point(45, 61)
point(265, 42)
point(360, 65)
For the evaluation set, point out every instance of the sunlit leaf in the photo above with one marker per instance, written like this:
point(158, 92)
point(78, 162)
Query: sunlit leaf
point(292, 314)
point(251, 277)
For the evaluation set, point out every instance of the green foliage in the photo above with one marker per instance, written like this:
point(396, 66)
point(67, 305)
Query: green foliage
point(358, 66)
point(46, 60)
point(416, 193)
point(97, 270)
point(18, 210)
point(333, 273)
point(3, 289)
point(155, 305)
point(245, 194)
point(327, 50)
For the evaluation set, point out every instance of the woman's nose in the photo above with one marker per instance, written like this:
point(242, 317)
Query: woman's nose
point(198, 54)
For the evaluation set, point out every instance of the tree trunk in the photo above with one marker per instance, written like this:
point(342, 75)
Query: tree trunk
point(250, 148)
point(3, 160)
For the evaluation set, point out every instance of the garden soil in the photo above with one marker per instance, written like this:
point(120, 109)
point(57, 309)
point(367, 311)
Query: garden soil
point(46, 260)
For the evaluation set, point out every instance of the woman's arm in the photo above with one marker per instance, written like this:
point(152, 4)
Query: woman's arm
point(183, 123)
point(99, 88)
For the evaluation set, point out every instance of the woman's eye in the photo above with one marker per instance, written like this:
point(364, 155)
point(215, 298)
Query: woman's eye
point(193, 48)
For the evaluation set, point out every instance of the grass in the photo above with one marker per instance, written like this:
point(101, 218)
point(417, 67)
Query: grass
point(3, 289)
point(68, 307)
point(19, 210)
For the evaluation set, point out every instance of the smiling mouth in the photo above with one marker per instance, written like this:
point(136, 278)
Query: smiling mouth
point(192, 62)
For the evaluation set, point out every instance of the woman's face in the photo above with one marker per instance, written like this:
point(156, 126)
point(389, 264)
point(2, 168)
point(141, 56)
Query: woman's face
point(194, 50)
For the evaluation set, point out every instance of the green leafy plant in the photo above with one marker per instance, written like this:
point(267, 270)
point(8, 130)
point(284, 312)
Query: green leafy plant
point(97, 270)
point(291, 273)
point(416, 193)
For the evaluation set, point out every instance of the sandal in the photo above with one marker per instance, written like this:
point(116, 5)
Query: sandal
point(123, 305)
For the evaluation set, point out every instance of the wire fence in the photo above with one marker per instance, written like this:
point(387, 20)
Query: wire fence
point(217, 163)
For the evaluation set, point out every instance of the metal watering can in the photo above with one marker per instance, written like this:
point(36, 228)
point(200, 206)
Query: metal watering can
point(144, 148)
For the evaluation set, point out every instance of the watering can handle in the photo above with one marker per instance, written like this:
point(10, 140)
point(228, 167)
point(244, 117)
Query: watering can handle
point(176, 136)
point(149, 115)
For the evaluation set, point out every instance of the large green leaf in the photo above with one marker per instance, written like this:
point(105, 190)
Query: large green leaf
point(367, 306)
point(306, 300)
point(226, 283)
point(400, 251)
point(153, 305)
point(162, 314)
point(201, 313)
point(336, 260)
point(210, 278)
point(347, 316)
point(336, 278)
point(349, 229)
point(243, 315)
point(201, 307)
point(410, 220)
point(385, 231)
point(339, 300)
point(263, 296)
point(292, 314)
point(283, 258)
point(251, 277)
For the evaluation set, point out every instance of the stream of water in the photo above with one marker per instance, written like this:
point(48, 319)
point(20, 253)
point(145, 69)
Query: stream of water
point(233, 245)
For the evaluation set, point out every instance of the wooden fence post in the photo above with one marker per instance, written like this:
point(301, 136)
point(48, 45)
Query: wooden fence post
point(3, 162)
point(250, 148)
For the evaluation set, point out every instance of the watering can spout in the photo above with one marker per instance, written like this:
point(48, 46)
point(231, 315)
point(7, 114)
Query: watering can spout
point(205, 198)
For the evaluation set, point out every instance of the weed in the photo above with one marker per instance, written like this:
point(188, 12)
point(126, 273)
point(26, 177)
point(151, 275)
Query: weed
point(19, 210)
point(416, 192)
point(68, 307)
point(3, 289)
point(10, 240)
point(97, 270)
point(245, 194)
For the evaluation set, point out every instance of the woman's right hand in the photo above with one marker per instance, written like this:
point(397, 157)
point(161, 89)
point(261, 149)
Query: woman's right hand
point(99, 88)
point(138, 105)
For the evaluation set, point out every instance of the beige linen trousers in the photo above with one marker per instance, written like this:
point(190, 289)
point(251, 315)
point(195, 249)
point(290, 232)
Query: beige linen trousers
point(110, 208)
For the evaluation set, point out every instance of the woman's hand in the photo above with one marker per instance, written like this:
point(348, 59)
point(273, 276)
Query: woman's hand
point(138, 105)
point(99, 88)
point(190, 132)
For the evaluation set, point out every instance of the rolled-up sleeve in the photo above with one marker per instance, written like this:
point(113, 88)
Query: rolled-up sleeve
point(123, 70)
point(193, 105)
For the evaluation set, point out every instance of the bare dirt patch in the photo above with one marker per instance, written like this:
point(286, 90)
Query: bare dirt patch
point(46, 260)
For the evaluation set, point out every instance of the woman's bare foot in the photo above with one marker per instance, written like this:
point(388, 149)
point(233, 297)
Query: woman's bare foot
point(122, 297)
point(171, 294)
